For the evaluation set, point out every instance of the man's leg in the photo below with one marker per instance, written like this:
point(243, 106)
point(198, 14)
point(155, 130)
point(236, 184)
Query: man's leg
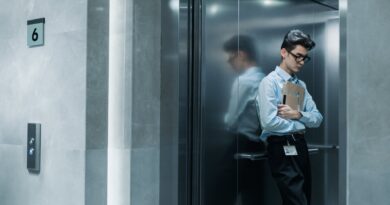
point(303, 161)
point(289, 172)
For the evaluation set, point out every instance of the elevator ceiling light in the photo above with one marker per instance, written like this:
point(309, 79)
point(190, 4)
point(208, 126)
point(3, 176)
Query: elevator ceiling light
point(174, 5)
point(213, 9)
point(269, 3)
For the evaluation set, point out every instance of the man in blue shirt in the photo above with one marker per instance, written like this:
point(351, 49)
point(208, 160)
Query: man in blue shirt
point(284, 127)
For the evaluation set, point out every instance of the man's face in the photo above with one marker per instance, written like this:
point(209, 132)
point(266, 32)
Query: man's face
point(235, 60)
point(294, 59)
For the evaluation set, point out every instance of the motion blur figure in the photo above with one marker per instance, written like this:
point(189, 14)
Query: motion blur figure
point(242, 119)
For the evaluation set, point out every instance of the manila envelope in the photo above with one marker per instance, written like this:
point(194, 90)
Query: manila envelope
point(293, 95)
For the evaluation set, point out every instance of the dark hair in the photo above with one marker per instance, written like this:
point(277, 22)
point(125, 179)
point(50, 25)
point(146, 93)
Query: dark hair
point(297, 37)
point(241, 43)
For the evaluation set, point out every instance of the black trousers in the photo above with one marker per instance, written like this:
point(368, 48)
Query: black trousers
point(291, 173)
point(250, 174)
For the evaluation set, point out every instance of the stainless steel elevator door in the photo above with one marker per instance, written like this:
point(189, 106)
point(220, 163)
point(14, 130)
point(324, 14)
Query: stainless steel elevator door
point(224, 179)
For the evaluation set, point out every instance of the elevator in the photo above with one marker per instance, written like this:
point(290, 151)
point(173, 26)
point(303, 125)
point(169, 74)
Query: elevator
point(217, 165)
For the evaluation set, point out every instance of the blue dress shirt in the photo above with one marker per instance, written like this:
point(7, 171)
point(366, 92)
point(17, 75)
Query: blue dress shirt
point(270, 95)
point(241, 116)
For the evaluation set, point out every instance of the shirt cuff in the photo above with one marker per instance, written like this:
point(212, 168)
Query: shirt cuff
point(305, 117)
point(298, 125)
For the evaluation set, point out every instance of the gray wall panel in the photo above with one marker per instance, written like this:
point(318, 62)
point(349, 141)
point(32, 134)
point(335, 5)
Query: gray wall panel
point(367, 102)
point(43, 84)
point(96, 135)
point(145, 115)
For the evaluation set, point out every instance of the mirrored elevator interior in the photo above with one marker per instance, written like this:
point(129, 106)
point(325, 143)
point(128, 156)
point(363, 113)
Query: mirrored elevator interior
point(232, 169)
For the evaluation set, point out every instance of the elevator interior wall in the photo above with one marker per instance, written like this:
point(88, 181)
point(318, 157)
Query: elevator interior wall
point(224, 179)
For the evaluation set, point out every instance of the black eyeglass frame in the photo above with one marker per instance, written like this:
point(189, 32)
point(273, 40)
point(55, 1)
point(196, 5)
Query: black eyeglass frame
point(299, 59)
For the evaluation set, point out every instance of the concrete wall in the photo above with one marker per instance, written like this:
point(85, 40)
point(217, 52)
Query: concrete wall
point(96, 133)
point(64, 86)
point(146, 89)
point(44, 84)
point(97, 95)
point(368, 130)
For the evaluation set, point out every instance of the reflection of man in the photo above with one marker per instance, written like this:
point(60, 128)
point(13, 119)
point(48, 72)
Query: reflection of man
point(283, 127)
point(241, 117)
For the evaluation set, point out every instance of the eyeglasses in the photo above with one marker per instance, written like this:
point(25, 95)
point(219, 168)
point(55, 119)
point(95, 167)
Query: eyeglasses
point(299, 58)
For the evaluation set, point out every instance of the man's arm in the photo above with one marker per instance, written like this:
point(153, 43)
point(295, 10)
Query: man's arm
point(311, 117)
point(286, 112)
point(268, 102)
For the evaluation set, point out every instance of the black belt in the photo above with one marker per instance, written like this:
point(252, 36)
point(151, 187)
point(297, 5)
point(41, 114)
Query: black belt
point(293, 136)
point(297, 133)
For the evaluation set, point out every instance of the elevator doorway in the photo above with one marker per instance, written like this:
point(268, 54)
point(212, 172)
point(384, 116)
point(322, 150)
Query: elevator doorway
point(227, 167)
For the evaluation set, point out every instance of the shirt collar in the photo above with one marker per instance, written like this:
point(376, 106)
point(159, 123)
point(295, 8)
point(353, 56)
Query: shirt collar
point(250, 70)
point(284, 75)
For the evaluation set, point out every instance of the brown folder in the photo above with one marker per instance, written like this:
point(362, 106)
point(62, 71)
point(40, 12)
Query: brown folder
point(293, 95)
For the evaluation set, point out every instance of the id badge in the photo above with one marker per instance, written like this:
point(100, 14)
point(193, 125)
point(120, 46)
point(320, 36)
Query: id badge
point(290, 150)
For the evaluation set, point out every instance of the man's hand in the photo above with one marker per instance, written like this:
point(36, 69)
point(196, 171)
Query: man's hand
point(286, 112)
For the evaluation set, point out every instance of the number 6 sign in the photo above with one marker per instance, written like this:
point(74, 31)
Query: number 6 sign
point(35, 32)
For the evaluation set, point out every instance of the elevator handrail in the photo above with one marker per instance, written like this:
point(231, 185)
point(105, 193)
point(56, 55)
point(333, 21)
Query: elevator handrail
point(263, 155)
point(320, 146)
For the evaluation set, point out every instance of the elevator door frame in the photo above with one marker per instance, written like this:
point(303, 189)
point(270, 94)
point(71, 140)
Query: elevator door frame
point(190, 16)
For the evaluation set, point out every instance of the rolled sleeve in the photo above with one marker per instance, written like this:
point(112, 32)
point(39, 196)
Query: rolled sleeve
point(311, 117)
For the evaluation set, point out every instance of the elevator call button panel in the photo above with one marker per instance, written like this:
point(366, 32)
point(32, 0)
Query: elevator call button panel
point(33, 147)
